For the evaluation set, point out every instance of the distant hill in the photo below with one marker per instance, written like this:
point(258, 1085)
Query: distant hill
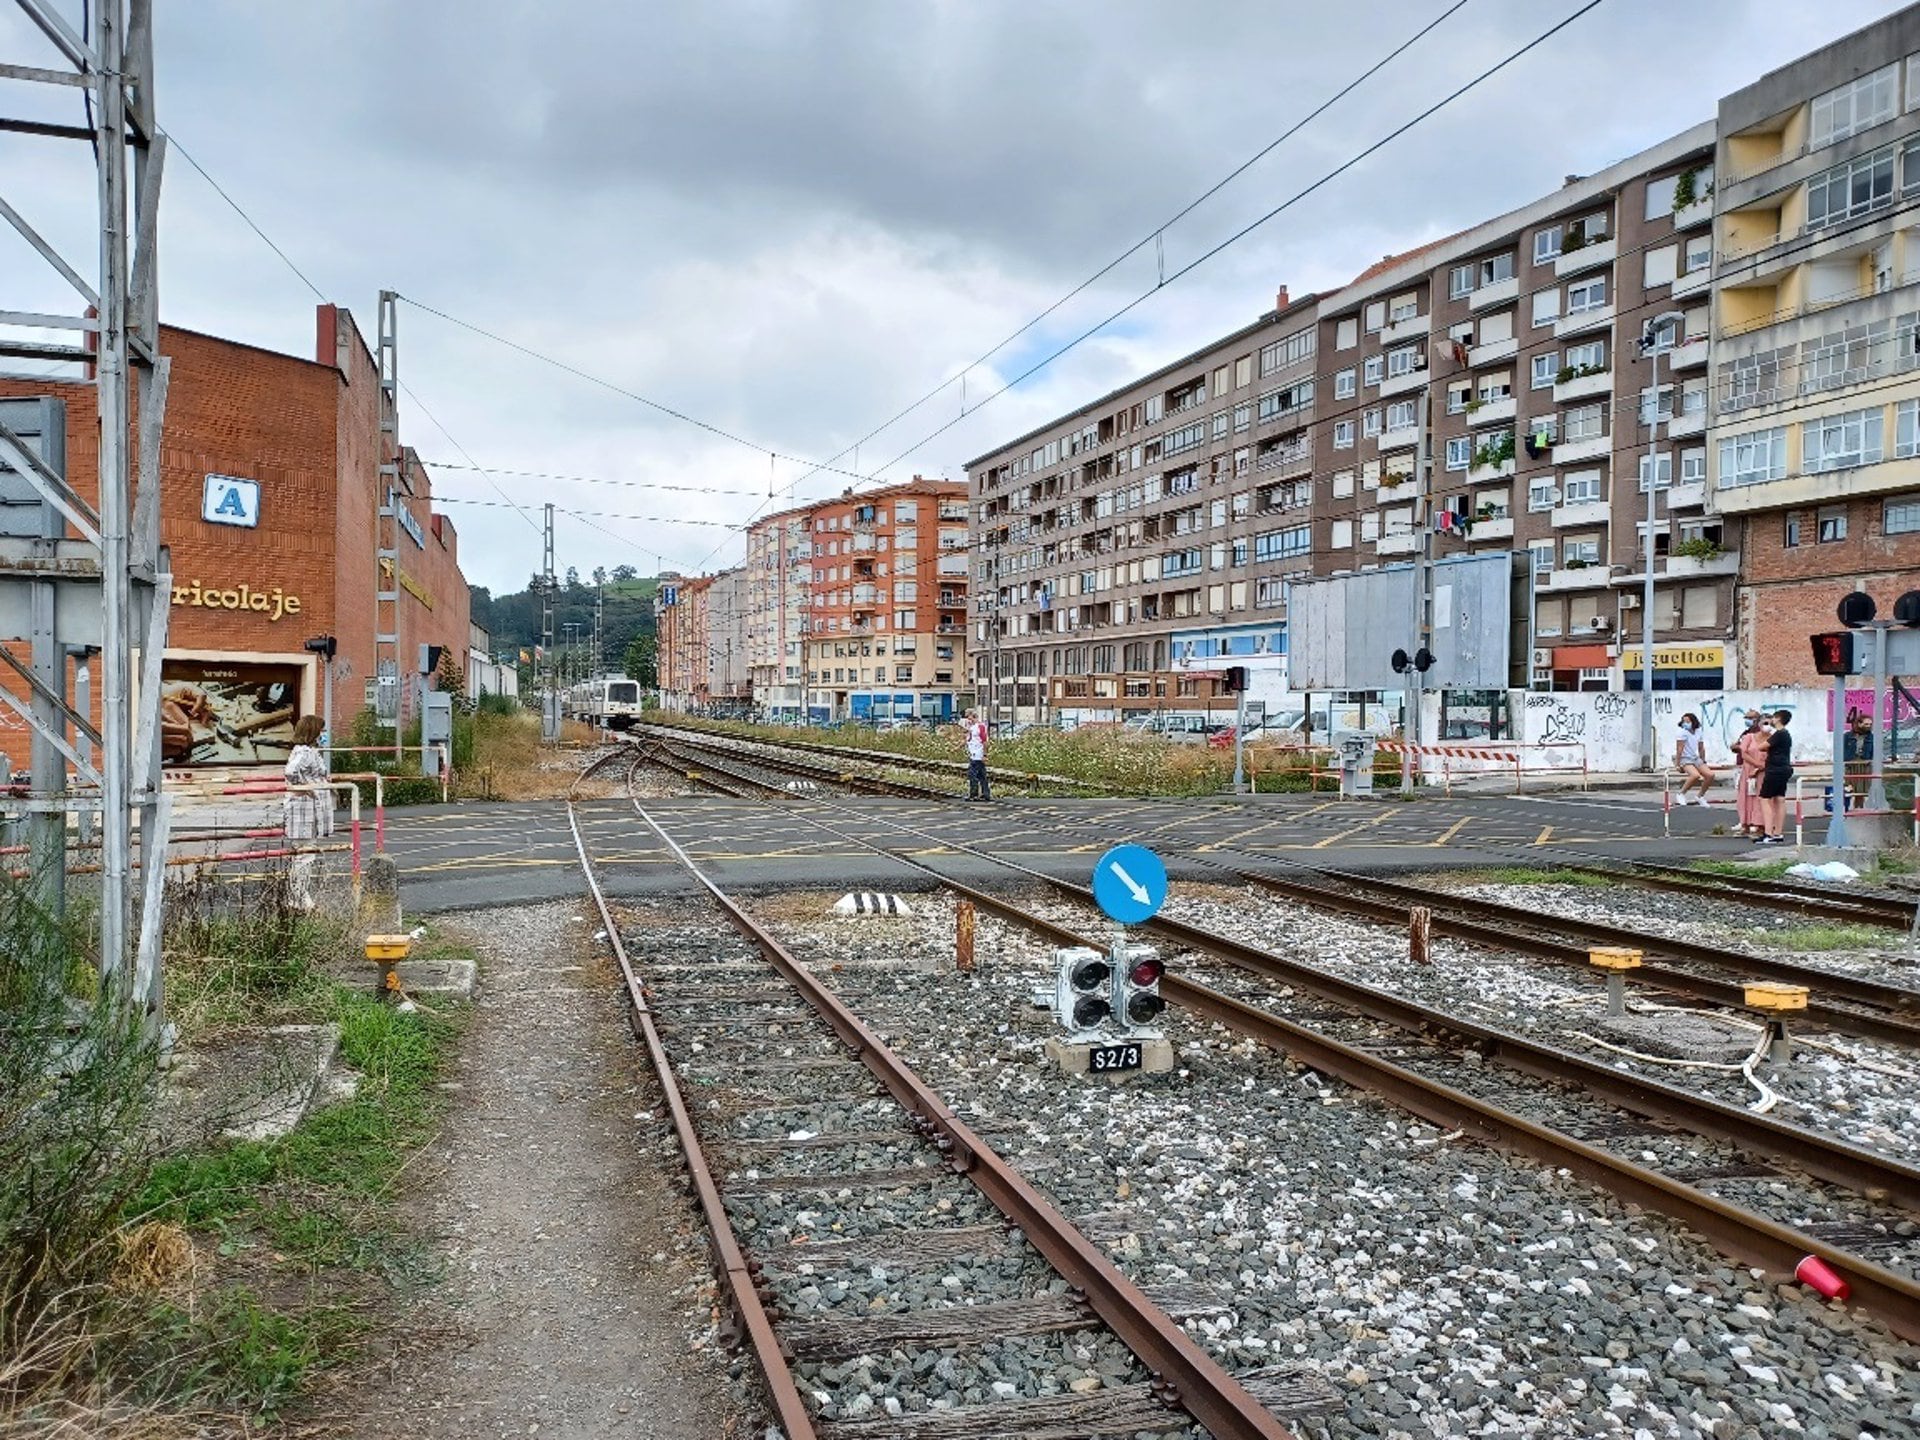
point(514, 620)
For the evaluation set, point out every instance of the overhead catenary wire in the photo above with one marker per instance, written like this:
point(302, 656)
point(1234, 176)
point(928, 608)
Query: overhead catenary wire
point(1154, 236)
point(518, 508)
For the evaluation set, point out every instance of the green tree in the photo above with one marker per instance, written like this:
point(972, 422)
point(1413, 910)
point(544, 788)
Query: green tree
point(640, 661)
point(452, 678)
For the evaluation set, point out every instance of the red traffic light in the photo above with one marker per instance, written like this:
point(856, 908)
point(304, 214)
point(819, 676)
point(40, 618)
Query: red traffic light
point(1146, 972)
point(1833, 653)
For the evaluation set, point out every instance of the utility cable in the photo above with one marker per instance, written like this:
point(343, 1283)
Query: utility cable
point(518, 508)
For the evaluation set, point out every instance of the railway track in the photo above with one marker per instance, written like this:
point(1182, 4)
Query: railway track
point(1877, 1194)
point(764, 1044)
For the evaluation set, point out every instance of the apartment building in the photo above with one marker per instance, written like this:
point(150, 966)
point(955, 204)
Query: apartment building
point(886, 603)
point(1516, 345)
point(680, 620)
point(728, 688)
point(1125, 551)
point(1815, 453)
point(779, 549)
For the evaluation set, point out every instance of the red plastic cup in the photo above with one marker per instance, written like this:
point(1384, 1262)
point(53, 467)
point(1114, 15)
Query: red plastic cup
point(1820, 1276)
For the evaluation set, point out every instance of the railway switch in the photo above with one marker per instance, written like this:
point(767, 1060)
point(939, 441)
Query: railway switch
point(1775, 1000)
point(1616, 960)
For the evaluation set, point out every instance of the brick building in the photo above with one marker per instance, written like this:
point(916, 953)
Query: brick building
point(270, 489)
point(1816, 365)
point(886, 602)
point(779, 549)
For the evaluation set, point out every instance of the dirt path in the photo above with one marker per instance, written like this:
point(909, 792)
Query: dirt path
point(575, 1301)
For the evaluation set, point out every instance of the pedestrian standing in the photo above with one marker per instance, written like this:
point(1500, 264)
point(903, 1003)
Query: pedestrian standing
point(1775, 777)
point(1690, 757)
point(309, 805)
point(975, 731)
point(1857, 756)
point(1750, 758)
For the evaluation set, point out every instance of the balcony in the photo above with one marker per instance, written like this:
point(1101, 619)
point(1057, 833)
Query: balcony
point(1690, 354)
point(1682, 567)
point(1406, 544)
point(1499, 529)
point(1582, 512)
point(1401, 384)
point(1405, 438)
point(1582, 322)
point(1687, 424)
point(1500, 292)
point(1408, 328)
point(1572, 577)
point(1696, 282)
point(1581, 387)
point(1572, 452)
point(1588, 257)
point(1700, 212)
point(1398, 488)
point(1691, 495)
point(1480, 473)
point(1493, 352)
point(1492, 412)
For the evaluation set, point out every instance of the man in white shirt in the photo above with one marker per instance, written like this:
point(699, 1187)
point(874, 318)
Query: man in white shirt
point(975, 729)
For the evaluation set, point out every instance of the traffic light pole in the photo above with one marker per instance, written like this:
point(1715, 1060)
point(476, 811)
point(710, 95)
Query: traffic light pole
point(1877, 786)
point(1837, 826)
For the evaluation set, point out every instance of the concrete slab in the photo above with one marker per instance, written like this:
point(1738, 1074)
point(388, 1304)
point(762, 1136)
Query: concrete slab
point(451, 979)
point(253, 1084)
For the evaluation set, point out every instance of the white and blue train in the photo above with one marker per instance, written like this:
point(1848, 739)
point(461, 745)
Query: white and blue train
point(611, 702)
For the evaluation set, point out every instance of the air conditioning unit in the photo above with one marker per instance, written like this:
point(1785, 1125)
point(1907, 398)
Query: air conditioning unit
point(1629, 601)
point(1543, 659)
point(1601, 622)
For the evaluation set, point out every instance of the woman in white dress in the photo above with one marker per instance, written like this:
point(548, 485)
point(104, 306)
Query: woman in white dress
point(309, 811)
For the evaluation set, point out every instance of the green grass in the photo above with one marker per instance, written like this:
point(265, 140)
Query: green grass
point(1826, 937)
point(1766, 870)
point(230, 1351)
point(1530, 875)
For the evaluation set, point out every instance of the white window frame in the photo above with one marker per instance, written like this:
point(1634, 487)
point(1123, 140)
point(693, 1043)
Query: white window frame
point(1546, 245)
point(1400, 415)
point(1343, 434)
point(1460, 281)
point(1586, 422)
point(1346, 384)
point(1459, 452)
point(1842, 442)
point(1372, 369)
point(1579, 487)
point(1591, 294)
point(1542, 495)
point(1753, 458)
point(1860, 104)
point(1546, 307)
point(1545, 368)
point(1900, 515)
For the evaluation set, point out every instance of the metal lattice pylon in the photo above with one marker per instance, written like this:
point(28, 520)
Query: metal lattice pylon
point(96, 575)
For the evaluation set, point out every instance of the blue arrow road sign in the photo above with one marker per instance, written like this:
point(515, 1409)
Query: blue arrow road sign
point(1130, 883)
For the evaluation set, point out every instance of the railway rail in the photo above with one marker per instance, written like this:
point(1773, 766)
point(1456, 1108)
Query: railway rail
point(1782, 1149)
point(936, 1150)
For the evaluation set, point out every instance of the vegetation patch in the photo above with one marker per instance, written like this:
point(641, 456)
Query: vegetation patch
point(149, 1269)
point(1533, 875)
point(1825, 937)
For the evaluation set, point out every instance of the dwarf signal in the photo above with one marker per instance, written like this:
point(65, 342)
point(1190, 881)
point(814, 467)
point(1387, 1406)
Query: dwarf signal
point(1117, 992)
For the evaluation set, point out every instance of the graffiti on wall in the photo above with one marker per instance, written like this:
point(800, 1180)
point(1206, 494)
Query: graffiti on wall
point(1608, 723)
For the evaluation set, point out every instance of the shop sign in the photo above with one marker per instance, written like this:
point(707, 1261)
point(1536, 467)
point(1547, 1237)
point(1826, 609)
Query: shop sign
point(221, 712)
point(229, 500)
point(414, 588)
point(405, 516)
point(1678, 657)
point(273, 603)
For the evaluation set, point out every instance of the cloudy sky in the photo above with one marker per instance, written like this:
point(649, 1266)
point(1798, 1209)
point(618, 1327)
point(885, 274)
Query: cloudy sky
point(792, 220)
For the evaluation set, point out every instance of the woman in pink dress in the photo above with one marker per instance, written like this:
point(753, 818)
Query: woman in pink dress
point(1750, 757)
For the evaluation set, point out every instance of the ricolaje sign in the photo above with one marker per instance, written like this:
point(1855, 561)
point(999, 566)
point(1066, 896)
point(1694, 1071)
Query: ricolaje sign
point(274, 604)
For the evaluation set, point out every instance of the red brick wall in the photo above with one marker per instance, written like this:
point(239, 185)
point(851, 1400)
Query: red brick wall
point(340, 345)
point(1787, 594)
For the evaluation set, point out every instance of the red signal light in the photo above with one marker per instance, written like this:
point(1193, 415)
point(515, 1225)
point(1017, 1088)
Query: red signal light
point(1147, 972)
point(1833, 653)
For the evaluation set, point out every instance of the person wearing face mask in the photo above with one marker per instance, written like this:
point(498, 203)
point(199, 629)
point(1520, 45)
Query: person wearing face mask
point(1690, 758)
point(1750, 758)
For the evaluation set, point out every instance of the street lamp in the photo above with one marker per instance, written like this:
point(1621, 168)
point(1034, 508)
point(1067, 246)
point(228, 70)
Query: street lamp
point(1657, 336)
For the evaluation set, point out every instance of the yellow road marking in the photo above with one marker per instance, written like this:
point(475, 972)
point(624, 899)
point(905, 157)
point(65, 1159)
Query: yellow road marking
point(1451, 831)
point(1546, 833)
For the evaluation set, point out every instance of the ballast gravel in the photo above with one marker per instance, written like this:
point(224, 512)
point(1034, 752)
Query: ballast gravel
point(1444, 1289)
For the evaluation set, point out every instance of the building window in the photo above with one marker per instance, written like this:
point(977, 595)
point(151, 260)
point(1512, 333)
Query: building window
point(1660, 196)
point(1586, 295)
point(1460, 282)
point(1578, 553)
point(1545, 367)
point(1858, 105)
point(1693, 466)
point(1370, 424)
point(1221, 424)
point(1346, 334)
point(1373, 365)
point(1906, 429)
point(1790, 533)
point(1546, 308)
point(1858, 187)
point(1902, 516)
point(1459, 396)
point(1588, 422)
point(1403, 361)
point(1242, 417)
point(1840, 442)
point(1546, 245)
point(1754, 457)
point(1699, 253)
point(1376, 317)
point(1288, 350)
point(1343, 434)
point(1659, 481)
point(1283, 544)
point(1459, 452)
point(1581, 487)
point(1542, 495)
point(1496, 268)
point(1343, 384)
point(1587, 359)
point(1400, 415)
point(1833, 524)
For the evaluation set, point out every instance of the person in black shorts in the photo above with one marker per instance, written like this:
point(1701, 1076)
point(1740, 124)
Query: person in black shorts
point(1774, 778)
